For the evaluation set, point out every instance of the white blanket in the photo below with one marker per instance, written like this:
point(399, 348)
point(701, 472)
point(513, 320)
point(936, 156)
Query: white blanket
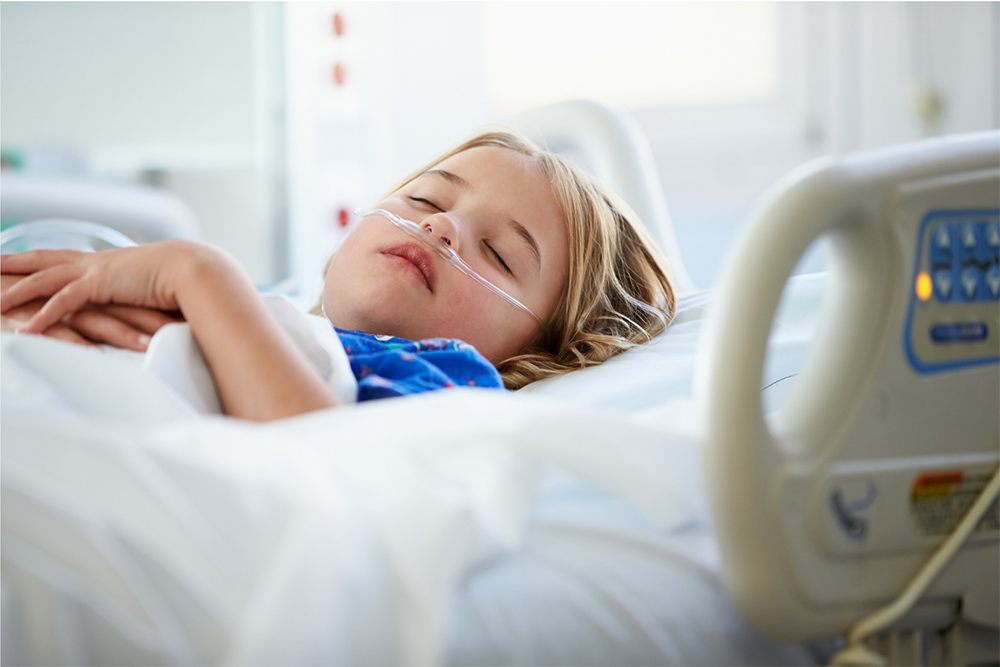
point(466, 526)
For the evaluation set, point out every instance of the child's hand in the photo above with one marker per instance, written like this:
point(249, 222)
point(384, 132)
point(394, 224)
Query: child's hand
point(70, 280)
point(122, 326)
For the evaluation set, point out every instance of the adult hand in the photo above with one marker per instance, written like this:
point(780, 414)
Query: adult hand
point(70, 280)
point(258, 370)
point(127, 327)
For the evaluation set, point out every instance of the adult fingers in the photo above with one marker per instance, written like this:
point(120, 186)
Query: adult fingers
point(38, 286)
point(66, 301)
point(100, 326)
point(148, 320)
point(63, 332)
point(36, 260)
point(11, 323)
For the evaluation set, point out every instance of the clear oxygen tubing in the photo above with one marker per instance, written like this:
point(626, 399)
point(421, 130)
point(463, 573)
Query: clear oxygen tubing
point(445, 251)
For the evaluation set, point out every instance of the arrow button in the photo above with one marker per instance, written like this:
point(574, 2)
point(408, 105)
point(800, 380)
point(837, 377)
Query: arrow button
point(942, 285)
point(993, 236)
point(970, 278)
point(969, 236)
point(993, 280)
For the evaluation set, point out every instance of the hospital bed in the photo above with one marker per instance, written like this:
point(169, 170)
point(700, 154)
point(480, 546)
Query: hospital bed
point(567, 523)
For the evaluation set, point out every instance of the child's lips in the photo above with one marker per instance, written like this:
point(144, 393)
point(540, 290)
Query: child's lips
point(418, 258)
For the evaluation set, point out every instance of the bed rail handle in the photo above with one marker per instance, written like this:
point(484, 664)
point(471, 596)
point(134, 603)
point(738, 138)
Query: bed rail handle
point(843, 201)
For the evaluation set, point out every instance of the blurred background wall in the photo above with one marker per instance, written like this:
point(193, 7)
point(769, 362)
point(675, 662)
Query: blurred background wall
point(273, 121)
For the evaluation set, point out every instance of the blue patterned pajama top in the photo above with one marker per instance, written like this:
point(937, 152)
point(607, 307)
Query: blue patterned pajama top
point(386, 366)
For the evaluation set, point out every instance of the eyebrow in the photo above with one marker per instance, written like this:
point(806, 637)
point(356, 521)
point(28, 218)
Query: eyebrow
point(448, 176)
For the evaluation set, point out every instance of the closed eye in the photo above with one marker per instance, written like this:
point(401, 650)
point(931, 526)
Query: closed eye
point(427, 202)
point(499, 259)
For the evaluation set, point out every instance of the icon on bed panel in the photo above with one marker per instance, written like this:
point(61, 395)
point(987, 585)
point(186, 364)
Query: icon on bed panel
point(943, 285)
point(984, 252)
point(970, 283)
point(845, 513)
point(968, 243)
point(992, 236)
point(991, 247)
point(993, 282)
point(942, 252)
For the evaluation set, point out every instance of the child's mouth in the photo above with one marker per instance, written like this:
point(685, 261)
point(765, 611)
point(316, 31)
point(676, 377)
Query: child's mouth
point(417, 258)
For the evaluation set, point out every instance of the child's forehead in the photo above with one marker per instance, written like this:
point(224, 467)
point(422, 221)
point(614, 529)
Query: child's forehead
point(488, 159)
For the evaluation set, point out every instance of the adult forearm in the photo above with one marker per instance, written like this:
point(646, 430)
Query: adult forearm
point(259, 372)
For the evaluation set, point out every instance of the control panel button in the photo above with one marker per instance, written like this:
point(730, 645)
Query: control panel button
point(984, 252)
point(993, 283)
point(942, 252)
point(970, 283)
point(959, 332)
point(968, 242)
point(993, 238)
point(942, 285)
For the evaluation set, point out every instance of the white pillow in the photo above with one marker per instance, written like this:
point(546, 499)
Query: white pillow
point(649, 375)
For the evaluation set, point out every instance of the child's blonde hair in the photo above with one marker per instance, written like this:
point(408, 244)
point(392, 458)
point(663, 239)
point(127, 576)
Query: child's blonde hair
point(618, 293)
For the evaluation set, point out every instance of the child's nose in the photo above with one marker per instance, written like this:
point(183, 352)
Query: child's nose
point(443, 228)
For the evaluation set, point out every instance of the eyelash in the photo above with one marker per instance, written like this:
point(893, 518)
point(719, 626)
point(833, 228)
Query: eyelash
point(428, 202)
point(499, 259)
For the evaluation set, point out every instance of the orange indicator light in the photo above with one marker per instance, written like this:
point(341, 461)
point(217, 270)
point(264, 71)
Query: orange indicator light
point(924, 286)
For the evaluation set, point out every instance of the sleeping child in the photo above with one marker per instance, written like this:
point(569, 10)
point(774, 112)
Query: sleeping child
point(497, 265)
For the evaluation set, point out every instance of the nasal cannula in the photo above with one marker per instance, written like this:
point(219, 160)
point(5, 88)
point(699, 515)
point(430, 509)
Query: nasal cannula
point(446, 252)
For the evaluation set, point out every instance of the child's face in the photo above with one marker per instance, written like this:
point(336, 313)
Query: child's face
point(496, 208)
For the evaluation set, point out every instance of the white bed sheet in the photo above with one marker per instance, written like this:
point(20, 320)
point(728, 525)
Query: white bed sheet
point(564, 524)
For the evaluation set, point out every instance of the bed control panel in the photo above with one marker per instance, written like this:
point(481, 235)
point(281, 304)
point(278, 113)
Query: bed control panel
point(953, 320)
